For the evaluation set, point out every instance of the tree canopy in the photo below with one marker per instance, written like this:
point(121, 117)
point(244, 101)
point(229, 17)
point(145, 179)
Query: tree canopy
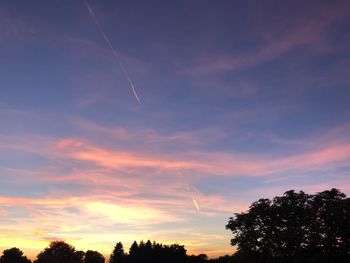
point(155, 252)
point(13, 255)
point(60, 252)
point(295, 227)
point(93, 257)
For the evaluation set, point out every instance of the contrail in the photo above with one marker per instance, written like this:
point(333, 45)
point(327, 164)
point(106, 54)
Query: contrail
point(114, 52)
point(195, 203)
point(189, 190)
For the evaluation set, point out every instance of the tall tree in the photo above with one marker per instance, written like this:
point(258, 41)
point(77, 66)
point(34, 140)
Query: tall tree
point(118, 254)
point(13, 255)
point(295, 227)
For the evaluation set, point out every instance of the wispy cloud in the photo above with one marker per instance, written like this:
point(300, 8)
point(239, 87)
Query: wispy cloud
point(118, 159)
point(116, 186)
point(214, 163)
point(308, 31)
point(314, 155)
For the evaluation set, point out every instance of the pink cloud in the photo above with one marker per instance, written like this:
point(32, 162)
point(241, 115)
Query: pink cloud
point(140, 158)
point(68, 143)
point(327, 156)
point(167, 185)
point(162, 178)
point(155, 183)
point(215, 163)
point(115, 159)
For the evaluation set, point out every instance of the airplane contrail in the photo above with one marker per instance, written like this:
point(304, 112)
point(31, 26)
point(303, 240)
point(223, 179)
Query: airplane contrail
point(189, 190)
point(195, 203)
point(114, 52)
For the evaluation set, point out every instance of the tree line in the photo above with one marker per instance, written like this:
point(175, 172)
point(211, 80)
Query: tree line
point(62, 252)
point(293, 228)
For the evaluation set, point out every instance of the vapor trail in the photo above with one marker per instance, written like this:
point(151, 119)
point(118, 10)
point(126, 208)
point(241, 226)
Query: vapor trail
point(195, 203)
point(114, 52)
point(189, 190)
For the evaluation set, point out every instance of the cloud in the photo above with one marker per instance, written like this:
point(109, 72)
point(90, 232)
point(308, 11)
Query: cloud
point(273, 49)
point(67, 217)
point(114, 159)
point(125, 215)
point(93, 189)
point(211, 162)
point(98, 161)
point(3, 213)
point(147, 137)
point(310, 29)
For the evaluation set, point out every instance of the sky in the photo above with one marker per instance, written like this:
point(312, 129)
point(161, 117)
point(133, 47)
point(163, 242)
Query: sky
point(239, 100)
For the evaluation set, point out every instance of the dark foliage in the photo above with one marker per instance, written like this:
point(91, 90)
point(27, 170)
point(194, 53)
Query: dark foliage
point(13, 255)
point(149, 252)
point(224, 259)
point(60, 252)
point(118, 254)
point(295, 227)
point(152, 252)
point(155, 252)
point(197, 259)
point(93, 257)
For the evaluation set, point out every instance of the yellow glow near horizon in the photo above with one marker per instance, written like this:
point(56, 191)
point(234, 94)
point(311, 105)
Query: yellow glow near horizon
point(123, 214)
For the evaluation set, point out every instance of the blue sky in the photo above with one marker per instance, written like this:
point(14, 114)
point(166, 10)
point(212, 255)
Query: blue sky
point(239, 100)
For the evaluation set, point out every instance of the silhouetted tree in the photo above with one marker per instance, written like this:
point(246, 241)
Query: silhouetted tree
point(59, 252)
point(134, 253)
point(295, 227)
point(93, 257)
point(222, 259)
point(80, 255)
point(118, 254)
point(201, 258)
point(330, 225)
point(154, 252)
point(13, 255)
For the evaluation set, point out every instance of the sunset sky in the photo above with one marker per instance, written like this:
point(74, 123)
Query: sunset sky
point(239, 100)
